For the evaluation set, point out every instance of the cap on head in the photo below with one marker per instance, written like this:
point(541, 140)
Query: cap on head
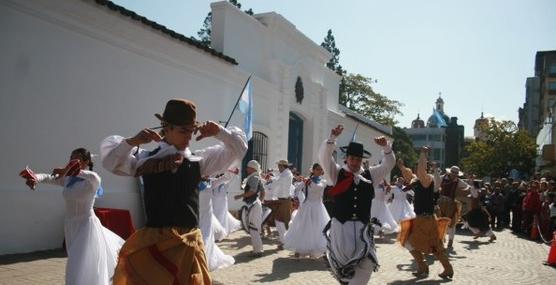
point(255, 165)
point(454, 170)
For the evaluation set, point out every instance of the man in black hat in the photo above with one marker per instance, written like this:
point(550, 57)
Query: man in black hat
point(170, 250)
point(351, 250)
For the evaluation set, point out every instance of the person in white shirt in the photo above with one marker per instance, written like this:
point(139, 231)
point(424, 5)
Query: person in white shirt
point(171, 176)
point(351, 250)
point(252, 212)
point(281, 187)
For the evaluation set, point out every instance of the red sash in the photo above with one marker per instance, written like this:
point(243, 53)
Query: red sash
point(342, 186)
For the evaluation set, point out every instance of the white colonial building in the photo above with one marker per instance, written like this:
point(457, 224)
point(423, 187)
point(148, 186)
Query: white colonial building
point(74, 72)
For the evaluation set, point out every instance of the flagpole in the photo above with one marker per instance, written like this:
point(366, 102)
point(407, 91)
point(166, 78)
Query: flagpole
point(238, 98)
point(354, 131)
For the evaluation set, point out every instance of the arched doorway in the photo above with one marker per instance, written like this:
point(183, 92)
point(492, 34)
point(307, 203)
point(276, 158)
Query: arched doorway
point(295, 141)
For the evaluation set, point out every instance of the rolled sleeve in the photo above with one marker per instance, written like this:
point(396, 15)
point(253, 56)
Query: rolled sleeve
point(117, 156)
point(379, 172)
point(327, 161)
point(217, 158)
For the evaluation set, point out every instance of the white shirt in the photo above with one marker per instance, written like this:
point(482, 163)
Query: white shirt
point(281, 186)
point(331, 168)
point(119, 157)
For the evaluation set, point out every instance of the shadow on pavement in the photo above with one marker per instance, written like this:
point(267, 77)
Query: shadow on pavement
point(32, 256)
point(283, 267)
point(387, 239)
point(474, 244)
point(418, 281)
point(247, 256)
point(235, 243)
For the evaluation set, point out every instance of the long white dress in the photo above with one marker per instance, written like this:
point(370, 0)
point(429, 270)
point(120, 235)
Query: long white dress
point(400, 207)
point(380, 210)
point(298, 193)
point(92, 249)
point(304, 235)
point(220, 207)
point(215, 257)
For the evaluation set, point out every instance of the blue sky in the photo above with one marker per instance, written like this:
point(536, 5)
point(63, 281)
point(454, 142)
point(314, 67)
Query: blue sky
point(478, 53)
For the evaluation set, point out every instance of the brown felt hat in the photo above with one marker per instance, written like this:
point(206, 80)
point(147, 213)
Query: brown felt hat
point(179, 112)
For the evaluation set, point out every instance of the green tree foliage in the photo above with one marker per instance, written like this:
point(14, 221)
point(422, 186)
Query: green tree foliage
point(204, 33)
point(503, 147)
point(329, 44)
point(235, 3)
point(403, 148)
point(360, 97)
point(355, 91)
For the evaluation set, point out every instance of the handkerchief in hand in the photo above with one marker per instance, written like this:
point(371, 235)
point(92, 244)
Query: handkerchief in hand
point(73, 168)
point(28, 173)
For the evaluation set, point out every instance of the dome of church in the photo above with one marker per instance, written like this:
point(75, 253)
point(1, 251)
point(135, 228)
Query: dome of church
point(437, 119)
point(481, 120)
point(418, 123)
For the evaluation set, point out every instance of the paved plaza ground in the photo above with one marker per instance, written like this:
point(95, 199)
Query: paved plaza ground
point(509, 260)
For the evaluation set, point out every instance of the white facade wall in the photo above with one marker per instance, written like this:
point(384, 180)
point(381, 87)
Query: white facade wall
point(74, 72)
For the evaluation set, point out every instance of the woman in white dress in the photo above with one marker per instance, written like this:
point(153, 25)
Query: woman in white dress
point(380, 211)
point(220, 202)
point(305, 236)
point(217, 229)
point(215, 257)
point(400, 207)
point(92, 249)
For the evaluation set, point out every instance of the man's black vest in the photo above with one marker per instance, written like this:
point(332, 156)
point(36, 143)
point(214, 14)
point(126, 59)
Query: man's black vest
point(355, 203)
point(424, 199)
point(172, 199)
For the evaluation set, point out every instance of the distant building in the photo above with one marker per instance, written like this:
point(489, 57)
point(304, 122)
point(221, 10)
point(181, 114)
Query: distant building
point(477, 128)
point(441, 133)
point(529, 115)
point(537, 114)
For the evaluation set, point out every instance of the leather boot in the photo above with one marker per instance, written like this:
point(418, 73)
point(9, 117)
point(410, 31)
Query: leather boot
point(448, 270)
point(422, 267)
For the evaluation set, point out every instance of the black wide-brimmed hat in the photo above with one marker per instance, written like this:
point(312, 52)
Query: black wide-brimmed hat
point(355, 149)
point(180, 112)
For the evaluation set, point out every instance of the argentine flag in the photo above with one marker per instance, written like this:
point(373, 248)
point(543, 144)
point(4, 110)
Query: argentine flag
point(441, 122)
point(245, 106)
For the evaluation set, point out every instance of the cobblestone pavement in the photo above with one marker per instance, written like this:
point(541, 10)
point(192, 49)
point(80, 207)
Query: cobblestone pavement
point(509, 260)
